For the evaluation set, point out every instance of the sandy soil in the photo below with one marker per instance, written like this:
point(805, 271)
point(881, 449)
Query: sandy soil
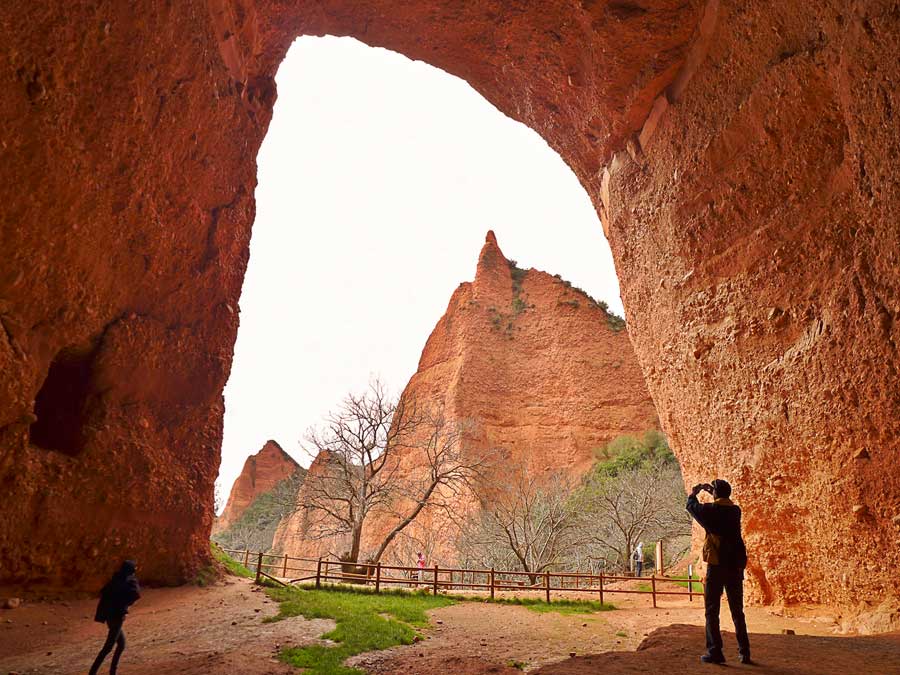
point(187, 630)
point(485, 638)
point(675, 649)
point(219, 631)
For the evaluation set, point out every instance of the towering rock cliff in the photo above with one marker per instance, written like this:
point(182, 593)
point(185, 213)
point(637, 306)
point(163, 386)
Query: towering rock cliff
point(541, 370)
point(261, 473)
point(536, 364)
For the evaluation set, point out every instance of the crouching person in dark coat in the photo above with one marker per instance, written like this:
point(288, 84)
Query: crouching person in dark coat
point(726, 557)
point(116, 597)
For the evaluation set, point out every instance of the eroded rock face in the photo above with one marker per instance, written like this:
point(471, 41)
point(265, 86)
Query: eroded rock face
point(261, 473)
point(542, 373)
point(758, 246)
point(129, 136)
point(742, 155)
point(536, 364)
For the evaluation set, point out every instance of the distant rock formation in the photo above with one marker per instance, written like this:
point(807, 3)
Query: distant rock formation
point(541, 369)
point(537, 363)
point(294, 535)
point(261, 473)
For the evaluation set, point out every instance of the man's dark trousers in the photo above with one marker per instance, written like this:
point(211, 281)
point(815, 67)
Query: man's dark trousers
point(731, 580)
point(116, 636)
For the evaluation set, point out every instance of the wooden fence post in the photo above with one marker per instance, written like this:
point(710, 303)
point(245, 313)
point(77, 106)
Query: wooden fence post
point(246, 557)
point(492, 583)
point(284, 571)
point(653, 584)
point(319, 574)
point(601, 587)
point(259, 567)
point(690, 583)
point(547, 584)
point(378, 578)
point(435, 579)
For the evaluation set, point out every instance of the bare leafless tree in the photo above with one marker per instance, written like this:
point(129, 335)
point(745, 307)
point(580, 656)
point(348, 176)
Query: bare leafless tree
point(641, 503)
point(526, 521)
point(378, 454)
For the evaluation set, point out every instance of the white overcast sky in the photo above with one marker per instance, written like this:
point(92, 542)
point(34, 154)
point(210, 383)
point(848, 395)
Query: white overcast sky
point(378, 180)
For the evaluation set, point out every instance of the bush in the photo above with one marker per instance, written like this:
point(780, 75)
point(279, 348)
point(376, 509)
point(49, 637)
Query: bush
point(232, 565)
point(625, 453)
point(613, 320)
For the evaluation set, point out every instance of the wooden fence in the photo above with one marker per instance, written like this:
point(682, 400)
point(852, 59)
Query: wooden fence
point(286, 570)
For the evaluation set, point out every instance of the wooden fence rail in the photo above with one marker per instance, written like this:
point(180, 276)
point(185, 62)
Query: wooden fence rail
point(281, 569)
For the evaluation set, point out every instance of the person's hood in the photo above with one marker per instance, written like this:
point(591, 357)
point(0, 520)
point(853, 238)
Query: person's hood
point(128, 568)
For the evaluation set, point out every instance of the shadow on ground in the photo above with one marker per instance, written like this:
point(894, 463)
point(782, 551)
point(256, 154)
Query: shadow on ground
point(676, 649)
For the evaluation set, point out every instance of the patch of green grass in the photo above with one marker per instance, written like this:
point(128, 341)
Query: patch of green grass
point(518, 665)
point(643, 586)
point(621, 633)
point(230, 563)
point(205, 576)
point(367, 621)
point(361, 624)
point(684, 583)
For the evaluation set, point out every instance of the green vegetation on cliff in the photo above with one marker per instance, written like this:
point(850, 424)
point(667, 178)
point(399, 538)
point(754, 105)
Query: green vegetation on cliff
point(255, 529)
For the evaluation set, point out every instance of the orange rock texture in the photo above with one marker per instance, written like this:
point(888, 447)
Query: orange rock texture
point(758, 248)
point(261, 473)
point(541, 371)
point(536, 365)
point(742, 156)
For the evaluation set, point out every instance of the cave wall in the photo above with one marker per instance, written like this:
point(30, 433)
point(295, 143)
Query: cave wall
point(127, 196)
point(741, 156)
point(757, 240)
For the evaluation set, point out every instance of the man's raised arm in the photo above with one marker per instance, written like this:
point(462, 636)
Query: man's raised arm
point(698, 510)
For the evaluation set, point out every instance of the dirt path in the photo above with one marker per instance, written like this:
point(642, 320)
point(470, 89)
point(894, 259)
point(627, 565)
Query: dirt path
point(219, 631)
point(187, 630)
point(479, 638)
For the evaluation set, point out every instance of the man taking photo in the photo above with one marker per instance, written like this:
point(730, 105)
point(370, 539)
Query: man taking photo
point(726, 557)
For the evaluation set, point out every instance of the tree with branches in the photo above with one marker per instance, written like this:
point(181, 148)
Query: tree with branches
point(636, 496)
point(386, 456)
point(526, 521)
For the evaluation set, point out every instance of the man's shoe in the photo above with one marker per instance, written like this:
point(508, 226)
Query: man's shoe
point(746, 660)
point(712, 658)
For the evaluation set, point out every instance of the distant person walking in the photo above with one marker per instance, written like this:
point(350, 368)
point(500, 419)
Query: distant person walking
point(420, 563)
point(638, 557)
point(117, 596)
point(726, 557)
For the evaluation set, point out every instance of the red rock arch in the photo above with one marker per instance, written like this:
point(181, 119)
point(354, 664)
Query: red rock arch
point(742, 156)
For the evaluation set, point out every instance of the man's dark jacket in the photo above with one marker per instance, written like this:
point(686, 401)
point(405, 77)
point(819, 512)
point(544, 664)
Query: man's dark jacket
point(119, 594)
point(722, 521)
